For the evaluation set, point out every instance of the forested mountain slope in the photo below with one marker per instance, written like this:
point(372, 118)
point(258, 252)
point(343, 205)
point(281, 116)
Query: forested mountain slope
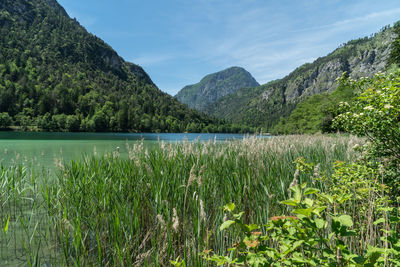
point(214, 86)
point(264, 106)
point(54, 75)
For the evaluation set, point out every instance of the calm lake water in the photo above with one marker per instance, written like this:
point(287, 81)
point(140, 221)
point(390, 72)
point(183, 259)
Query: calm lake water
point(45, 149)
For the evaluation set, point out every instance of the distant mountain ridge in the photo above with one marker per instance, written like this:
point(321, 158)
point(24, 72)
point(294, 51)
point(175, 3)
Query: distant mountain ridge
point(214, 86)
point(264, 106)
point(55, 76)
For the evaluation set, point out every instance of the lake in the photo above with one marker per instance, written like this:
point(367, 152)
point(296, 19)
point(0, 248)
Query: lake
point(45, 149)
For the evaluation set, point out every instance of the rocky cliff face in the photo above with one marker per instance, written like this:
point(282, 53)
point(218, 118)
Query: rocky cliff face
point(322, 77)
point(214, 86)
point(264, 105)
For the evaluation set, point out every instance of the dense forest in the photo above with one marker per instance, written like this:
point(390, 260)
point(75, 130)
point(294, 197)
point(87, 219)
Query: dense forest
point(55, 76)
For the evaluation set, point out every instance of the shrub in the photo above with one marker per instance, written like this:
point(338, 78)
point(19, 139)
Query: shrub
point(351, 221)
point(348, 225)
point(376, 115)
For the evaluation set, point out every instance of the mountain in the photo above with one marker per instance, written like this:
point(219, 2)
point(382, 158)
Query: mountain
point(214, 86)
point(266, 105)
point(315, 113)
point(56, 76)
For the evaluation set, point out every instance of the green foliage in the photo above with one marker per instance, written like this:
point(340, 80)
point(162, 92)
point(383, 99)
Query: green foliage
point(394, 57)
point(376, 115)
point(319, 232)
point(352, 219)
point(316, 113)
point(5, 120)
point(51, 68)
point(214, 86)
point(164, 203)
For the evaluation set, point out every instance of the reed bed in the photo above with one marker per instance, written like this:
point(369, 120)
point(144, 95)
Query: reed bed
point(158, 203)
point(27, 237)
point(165, 202)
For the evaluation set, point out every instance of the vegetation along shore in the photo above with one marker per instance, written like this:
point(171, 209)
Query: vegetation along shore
point(324, 194)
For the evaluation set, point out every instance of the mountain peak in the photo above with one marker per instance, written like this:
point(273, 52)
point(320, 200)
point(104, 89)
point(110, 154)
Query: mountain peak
point(214, 86)
point(55, 76)
point(269, 104)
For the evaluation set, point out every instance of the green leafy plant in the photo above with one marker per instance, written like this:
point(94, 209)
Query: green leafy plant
point(375, 114)
point(323, 228)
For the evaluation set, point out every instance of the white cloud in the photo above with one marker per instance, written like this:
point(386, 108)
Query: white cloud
point(269, 48)
point(152, 59)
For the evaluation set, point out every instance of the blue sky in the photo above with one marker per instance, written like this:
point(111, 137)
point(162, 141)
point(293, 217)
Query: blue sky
point(178, 42)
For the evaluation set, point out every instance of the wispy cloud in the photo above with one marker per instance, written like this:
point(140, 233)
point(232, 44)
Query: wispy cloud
point(180, 41)
point(367, 18)
point(269, 47)
point(152, 59)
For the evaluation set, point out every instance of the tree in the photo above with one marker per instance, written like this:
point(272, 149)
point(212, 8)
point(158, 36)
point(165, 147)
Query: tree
point(375, 114)
point(72, 124)
point(5, 120)
point(394, 57)
point(100, 121)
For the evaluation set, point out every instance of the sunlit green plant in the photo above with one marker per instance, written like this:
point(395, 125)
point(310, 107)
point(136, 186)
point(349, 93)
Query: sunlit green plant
point(375, 113)
point(318, 232)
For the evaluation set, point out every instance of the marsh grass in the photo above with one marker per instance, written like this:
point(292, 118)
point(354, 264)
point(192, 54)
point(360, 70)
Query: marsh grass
point(156, 204)
point(26, 233)
point(165, 202)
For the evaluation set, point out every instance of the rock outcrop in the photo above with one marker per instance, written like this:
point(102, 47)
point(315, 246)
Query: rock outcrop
point(214, 86)
point(266, 104)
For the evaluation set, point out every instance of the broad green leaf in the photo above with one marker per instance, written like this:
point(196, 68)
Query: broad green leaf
point(331, 235)
point(318, 210)
point(299, 258)
point(297, 244)
point(345, 197)
point(387, 209)
point(289, 202)
point(309, 202)
point(297, 194)
point(309, 191)
point(359, 259)
point(226, 224)
point(229, 207)
point(345, 220)
point(256, 259)
point(319, 223)
point(327, 197)
point(305, 212)
point(252, 227)
point(381, 220)
point(238, 215)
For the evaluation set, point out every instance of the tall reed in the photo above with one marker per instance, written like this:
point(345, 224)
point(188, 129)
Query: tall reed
point(164, 202)
point(26, 232)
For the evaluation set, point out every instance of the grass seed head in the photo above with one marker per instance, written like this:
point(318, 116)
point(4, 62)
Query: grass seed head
point(202, 212)
point(175, 221)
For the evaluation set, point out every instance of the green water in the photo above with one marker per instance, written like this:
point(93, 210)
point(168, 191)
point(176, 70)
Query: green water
point(31, 228)
point(47, 150)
